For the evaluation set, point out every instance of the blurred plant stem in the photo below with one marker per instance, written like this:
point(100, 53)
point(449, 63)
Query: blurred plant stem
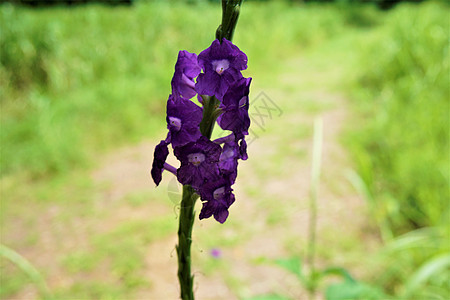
point(28, 268)
point(315, 179)
point(230, 15)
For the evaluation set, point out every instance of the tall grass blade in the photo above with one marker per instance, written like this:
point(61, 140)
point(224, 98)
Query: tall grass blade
point(432, 268)
point(28, 268)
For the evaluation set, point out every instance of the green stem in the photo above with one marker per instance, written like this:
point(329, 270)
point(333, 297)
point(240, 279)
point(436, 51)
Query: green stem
point(187, 213)
point(315, 179)
point(210, 114)
point(184, 242)
point(230, 14)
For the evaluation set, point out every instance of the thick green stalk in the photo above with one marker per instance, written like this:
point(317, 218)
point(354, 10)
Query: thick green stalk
point(184, 242)
point(187, 213)
point(230, 14)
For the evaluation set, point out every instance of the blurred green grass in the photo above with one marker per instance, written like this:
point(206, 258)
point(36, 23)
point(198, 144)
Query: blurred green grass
point(403, 90)
point(77, 83)
point(401, 150)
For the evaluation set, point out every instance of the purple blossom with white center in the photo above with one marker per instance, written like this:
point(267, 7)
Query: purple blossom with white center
point(159, 159)
point(217, 197)
point(199, 162)
point(183, 120)
point(235, 106)
point(186, 69)
point(221, 63)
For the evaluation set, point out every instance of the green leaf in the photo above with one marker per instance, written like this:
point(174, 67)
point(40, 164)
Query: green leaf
point(353, 290)
point(340, 272)
point(292, 264)
point(342, 291)
point(268, 297)
point(349, 288)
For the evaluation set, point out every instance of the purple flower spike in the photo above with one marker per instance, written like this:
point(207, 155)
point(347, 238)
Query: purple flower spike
point(221, 63)
point(199, 162)
point(159, 159)
point(217, 197)
point(183, 120)
point(235, 106)
point(186, 69)
point(209, 167)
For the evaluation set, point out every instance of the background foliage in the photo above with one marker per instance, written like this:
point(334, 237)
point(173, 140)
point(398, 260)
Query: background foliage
point(78, 82)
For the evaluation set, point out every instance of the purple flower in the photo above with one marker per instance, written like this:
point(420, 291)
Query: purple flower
point(216, 253)
point(243, 149)
point(217, 197)
point(186, 69)
point(235, 106)
point(183, 120)
point(228, 160)
point(199, 162)
point(159, 159)
point(221, 63)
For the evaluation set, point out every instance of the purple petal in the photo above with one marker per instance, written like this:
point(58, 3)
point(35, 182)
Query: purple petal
point(183, 120)
point(159, 158)
point(186, 69)
point(196, 172)
point(221, 215)
point(243, 150)
point(207, 83)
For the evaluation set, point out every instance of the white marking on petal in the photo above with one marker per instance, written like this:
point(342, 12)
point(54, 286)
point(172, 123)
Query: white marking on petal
point(219, 193)
point(196, 158)
point(220, 65)
point(175, 123)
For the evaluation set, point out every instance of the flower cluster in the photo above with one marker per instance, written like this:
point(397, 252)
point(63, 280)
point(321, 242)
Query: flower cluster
point(210, 167)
